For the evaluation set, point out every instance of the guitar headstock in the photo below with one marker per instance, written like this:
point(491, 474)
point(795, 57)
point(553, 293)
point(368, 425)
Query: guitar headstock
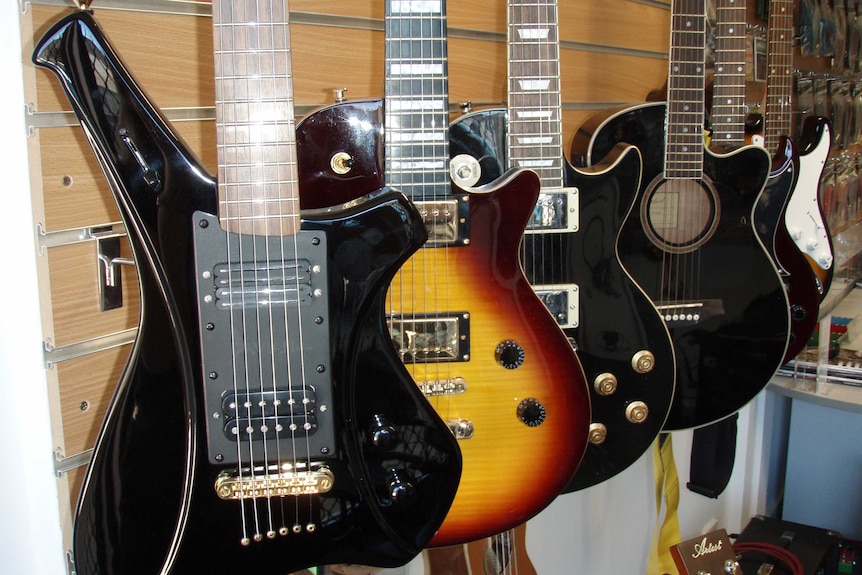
point(710, 554)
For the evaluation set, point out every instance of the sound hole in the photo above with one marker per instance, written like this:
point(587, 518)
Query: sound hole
point(680, 215)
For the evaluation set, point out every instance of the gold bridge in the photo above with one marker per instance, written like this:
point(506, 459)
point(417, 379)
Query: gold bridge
point(231, 486)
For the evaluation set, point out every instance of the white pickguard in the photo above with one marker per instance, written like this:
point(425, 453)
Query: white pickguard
point(803, 217)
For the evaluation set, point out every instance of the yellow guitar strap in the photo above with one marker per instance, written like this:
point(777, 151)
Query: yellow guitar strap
point(666, 532)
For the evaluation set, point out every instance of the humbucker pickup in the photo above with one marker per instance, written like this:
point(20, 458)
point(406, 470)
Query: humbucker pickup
point(431, 337)
point(562, 300)
point(447, 221)
point(556, 211)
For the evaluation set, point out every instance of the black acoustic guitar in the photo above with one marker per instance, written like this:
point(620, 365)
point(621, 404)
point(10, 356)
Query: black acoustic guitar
point(265, 422)
point(689, 242)
point(728, 121)
point(570, 249)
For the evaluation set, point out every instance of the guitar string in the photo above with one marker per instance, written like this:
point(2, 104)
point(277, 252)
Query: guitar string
point(259, 187)
point(225, 32)
point(293, 179)
point(282, 264)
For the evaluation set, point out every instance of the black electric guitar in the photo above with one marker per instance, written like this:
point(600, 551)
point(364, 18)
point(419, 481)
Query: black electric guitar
point(728, 133)
point(474, 334)
point(569, 251)
point(689, 242)
point(264, 423)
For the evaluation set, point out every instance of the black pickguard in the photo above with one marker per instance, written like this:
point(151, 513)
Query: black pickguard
point(148, 504)
point(725, 360)
point(616, 319)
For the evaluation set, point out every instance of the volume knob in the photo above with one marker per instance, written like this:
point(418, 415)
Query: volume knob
point(531, 412)
point(509, 354)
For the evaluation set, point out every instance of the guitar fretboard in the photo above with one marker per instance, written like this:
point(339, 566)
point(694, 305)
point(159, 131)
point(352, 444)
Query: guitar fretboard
point(686, 83)
point(779, 63)
point(417, 98)
point(534, 105)
point(257, 169)
point(728, 99)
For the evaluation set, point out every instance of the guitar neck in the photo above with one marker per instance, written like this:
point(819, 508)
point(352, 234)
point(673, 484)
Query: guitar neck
point(417, 98)
point(257, 168)
point(779, 62)
point(728, 101)
point(686, 85)
point(534, 107)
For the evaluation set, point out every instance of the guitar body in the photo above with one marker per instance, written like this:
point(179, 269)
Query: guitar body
point(805, 219)
point(483, 279)
point(800, 283)
point(728, 349)
point(525, 388)
point(340, 151)
point(615, 319)
point(149, 503)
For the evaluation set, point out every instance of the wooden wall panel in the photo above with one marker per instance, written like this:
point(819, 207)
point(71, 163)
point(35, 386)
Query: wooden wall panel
point(169, 54)
point(85, 389)
point(73, 275)
point(618, 23)
point(75, 192)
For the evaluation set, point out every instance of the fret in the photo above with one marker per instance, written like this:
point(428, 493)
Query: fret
point(522, 141)
point(255, 129)
point(416, 6)
point(534, 104)
point(729, 109)
point(417, 103)
point(779, 87)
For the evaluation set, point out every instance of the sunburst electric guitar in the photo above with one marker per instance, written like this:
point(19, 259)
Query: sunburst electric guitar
point(689, 242)
point(475, 336)
point(265, 422)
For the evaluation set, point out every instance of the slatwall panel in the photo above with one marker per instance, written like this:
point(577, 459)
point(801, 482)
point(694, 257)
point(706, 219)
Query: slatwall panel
point(613, 52)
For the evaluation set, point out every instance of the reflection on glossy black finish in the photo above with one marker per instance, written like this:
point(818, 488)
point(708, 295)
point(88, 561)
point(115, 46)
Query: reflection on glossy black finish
point(616, 319)
point(725, 360)
point(148, 505)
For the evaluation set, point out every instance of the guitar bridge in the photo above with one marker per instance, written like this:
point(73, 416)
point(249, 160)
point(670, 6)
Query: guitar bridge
point(687, 313)
point(286, 483)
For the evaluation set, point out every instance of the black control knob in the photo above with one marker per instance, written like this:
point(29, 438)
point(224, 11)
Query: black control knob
point(400, 489)
point(531, 412)
point(383, 434)
point(797, 312)
point(509, 354)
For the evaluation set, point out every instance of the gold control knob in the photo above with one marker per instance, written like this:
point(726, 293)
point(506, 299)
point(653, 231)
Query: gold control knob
point(605, 383)
point(637, 412)
point(598, 433)
point(643, 361)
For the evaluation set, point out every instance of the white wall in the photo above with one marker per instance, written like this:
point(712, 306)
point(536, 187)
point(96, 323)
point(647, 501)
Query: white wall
point(30, 541)
point(607, 529)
